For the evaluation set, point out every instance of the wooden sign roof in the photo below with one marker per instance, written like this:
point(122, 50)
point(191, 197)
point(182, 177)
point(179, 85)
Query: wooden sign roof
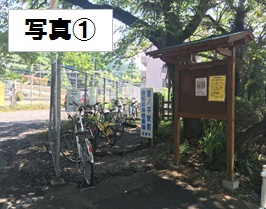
point(220, 43)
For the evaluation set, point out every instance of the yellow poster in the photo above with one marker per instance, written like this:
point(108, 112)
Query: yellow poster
point(2, 94)
point(217, 88)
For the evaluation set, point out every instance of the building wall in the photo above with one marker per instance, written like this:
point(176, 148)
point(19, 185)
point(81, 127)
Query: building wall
point(154, 71)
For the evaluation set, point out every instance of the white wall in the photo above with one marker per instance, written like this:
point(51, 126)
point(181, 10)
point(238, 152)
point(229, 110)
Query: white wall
point(154, 71)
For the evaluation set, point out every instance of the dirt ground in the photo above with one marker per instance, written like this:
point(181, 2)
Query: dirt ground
point(126, 171)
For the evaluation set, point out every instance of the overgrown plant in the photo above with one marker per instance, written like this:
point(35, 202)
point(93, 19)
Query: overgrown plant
point(247, 113)
point(165, 130)
point(214, 138)
point(19, 96)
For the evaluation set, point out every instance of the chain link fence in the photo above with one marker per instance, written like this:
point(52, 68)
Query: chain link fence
point(98, 88)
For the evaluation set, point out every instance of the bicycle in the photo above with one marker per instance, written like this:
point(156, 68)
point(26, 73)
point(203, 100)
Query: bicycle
point(117, 117)
point(133, 109)
point(77, 146)
point(97, 118)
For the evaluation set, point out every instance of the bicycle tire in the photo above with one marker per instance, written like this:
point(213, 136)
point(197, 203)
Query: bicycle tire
point(134, 113)
point(137, 113)
point(68, 147)
point(111, 135)
point(88, 162)
point(90, 126)
point(119, 127)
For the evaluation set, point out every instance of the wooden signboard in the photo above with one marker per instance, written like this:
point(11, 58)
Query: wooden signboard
point(205, 89)
point(202, 92)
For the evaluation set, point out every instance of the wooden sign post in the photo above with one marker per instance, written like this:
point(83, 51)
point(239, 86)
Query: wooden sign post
point(206, 89)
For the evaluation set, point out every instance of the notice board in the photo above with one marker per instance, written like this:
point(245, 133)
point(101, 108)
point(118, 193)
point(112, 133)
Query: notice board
point(202, 92)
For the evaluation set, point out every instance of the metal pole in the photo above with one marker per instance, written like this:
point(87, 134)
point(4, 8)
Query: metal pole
point(31, 83)
point(40, 77)
point(46, 94)
point(263, 188)
point(85, 96)
point(52, 112)
point(103, 91)
point(76, 80)
point(116, 95)
point(58, 115)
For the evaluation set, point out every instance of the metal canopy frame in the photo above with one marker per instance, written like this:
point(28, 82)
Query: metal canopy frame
point(180, 55)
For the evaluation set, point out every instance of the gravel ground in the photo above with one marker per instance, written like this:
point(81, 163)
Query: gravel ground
point(27, 159)
point(26, 166)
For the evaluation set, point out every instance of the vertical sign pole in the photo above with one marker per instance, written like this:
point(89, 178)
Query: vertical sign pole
point(176, 118)
point(58, 115)
point(230, 117)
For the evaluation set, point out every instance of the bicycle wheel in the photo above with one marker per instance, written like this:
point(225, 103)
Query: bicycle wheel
point(111, 135)
point(137, 113)
point(92, 128)
point(87, 161)
point(134, 113)
point(119, 125)
point(68, 147)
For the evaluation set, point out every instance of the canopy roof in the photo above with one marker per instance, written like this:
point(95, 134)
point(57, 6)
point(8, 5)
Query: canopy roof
point(220, 43)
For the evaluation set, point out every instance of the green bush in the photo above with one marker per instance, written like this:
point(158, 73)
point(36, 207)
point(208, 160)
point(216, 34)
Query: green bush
point(247, 113)
point(19, 96)
point(165, 130)
point(17, 107)
point(214, 138)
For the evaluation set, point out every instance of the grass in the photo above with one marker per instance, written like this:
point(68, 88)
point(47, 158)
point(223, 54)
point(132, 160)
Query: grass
point(35, 106)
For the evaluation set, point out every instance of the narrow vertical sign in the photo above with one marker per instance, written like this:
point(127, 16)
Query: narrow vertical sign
point(146, 112)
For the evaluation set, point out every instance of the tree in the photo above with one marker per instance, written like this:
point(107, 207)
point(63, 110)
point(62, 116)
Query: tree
point(169, 22)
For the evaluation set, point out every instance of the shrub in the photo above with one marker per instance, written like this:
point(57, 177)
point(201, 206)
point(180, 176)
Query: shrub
point(165, 130)
point(214, 138)
point(247, 113)
point(19, 96)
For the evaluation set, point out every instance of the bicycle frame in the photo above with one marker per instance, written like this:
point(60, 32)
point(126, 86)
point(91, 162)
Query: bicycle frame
point(84, 147)
point(80, 122)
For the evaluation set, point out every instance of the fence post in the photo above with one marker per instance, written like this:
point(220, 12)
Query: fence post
point(46, 95)
point(263, 188)
point(31, 83)
point(103, 91)
point(13, 96)
point(116, 91)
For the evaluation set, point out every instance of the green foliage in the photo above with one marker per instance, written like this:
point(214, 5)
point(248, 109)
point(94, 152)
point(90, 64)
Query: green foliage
point(247, 113)
point(249, 162)
point(67, 125)
point(253, 72)
point(184, 147)
point(19, 96)
point(165, 93)
point(18, 107)
point(165, 130)
point(214, 138)
point(79, 60)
